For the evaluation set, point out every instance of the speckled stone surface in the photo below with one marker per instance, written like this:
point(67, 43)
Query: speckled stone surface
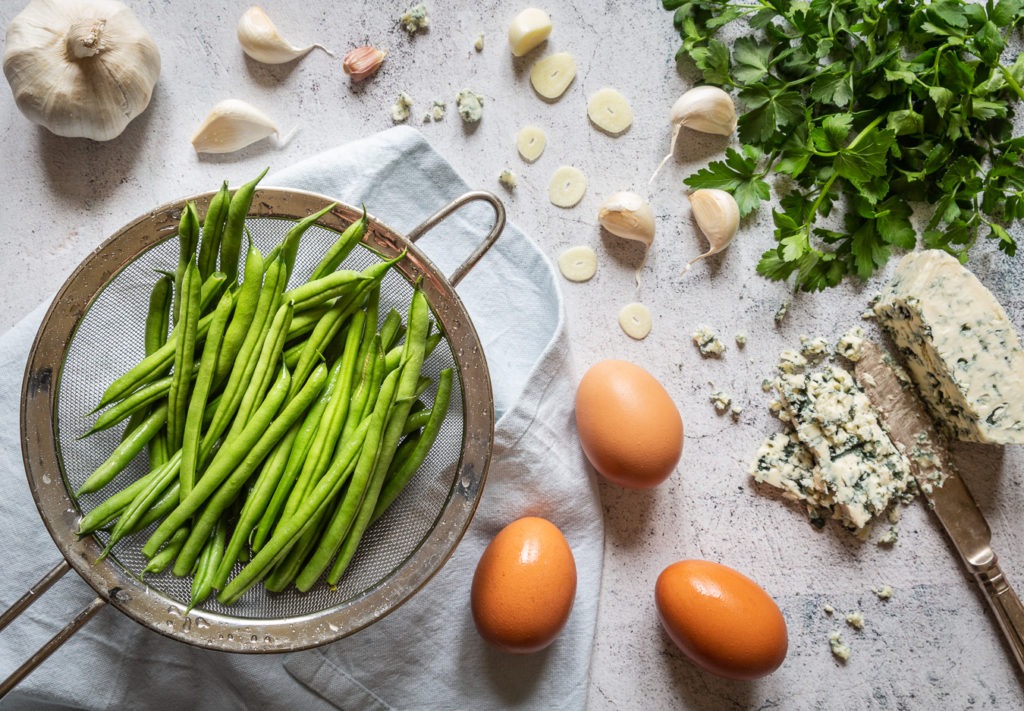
point(932, 645)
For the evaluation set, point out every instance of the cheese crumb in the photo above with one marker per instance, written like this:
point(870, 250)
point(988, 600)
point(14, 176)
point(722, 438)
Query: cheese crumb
point(478, 45)
point(470, 105)
point(508, 179)
point(415, 19)
point(889, 537)
point(883, 593)
point(741, 339)
point(839, 650)
point(829, 609)
point(851, 345)
point(780, 314)
point(400, 109)
point(791, 362)
point(707, 342)
point(813, 349)
point(722, 401)
point(855, 620)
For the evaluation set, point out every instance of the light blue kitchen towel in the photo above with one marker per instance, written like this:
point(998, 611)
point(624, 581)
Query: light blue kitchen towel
point(425, 655)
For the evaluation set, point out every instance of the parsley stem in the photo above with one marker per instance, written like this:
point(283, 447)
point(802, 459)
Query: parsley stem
point(1008, 75)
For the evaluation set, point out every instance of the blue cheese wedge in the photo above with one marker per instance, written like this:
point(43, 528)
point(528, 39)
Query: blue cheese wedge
point(959, 346)
point(784, 462)
point(860, 468)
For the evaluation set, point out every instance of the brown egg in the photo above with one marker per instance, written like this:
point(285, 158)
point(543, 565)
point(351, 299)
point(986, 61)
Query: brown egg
point(721, 619)
point(630, 428)
point(524, 586)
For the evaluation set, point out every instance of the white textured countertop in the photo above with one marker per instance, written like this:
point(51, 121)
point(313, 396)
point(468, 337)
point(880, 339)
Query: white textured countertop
point(932, 645)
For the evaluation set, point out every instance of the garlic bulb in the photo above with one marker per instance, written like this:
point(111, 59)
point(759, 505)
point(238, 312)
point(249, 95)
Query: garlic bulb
point(718, 217)
point(81, 68)
point(260, 39)
point(705, 108)
point(232, 125)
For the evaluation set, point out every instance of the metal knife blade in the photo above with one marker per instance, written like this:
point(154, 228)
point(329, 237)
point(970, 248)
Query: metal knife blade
point(910, 426)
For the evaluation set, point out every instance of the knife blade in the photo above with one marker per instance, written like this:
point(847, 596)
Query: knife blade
point(910, 427)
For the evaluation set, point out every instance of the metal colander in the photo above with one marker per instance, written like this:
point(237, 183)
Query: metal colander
point(94, 331)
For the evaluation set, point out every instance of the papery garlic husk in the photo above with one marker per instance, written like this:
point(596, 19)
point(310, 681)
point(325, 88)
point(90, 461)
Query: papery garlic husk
point(260, 39)
point(626, 214)
point(718, 217)
point(232, 125)
point(363, 62)
point(81, 68)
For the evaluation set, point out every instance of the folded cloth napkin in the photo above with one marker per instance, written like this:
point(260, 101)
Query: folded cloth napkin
point(426, 654)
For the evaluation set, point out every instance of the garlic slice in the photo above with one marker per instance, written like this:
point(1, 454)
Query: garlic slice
point(578, 263)
point(635, 321)
point(567, 186)
point(531, 142)
point(553, 74)
point(718, 217)
point(231, 125)
point(610, 111)
point(260, 39)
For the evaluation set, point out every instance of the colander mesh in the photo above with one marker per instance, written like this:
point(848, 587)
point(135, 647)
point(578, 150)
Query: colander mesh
point(109, 340)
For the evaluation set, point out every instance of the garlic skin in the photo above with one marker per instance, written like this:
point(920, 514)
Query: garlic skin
point(718, 217)
point(261, 41)
point(363, 62)
point(705, 108)
point(230, 126)
point(627, 215)
point(80, 68)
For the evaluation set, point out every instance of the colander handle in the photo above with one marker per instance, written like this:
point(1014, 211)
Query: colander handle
point(439, 216)
point(54, 642)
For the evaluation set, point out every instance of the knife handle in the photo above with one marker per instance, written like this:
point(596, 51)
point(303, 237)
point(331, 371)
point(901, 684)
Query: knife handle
point(1004, 603)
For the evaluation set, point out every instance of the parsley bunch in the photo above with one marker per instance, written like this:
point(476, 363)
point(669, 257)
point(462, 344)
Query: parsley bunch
point(865, 109)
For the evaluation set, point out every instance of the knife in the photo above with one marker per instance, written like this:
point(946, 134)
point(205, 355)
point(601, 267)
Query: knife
point(911, 428)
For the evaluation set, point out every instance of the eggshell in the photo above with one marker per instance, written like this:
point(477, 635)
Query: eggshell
point(721, 619)
point(630, 428)
point(524, 586)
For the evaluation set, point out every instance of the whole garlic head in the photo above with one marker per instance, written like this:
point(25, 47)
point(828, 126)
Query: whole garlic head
point(81, 68)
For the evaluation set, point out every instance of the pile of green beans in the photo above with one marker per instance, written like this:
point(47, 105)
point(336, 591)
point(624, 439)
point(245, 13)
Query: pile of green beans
point(279, 423)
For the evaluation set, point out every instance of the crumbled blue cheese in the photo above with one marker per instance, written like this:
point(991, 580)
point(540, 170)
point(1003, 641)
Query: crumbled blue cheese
point(780, 313)
point(855, 620)
point(470, 105)
point(415, 19)
point(782, 461)
point(707, 342)
point(436, 112)
point(851, 344)
point(890, 537)
point(400, 109)
point(741, 340)
point(814, 349)
point(722, 401)
point(829, 610)
point(735, 411)
point(839, 650)
point(861, 471)
point(767, 385)
point(508, 179)
point(790, 361)
point(884, 592)
point(959, 346)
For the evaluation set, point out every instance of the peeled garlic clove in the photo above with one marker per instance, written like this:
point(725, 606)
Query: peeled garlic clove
point(578, 263)
point(718, 217)
point(363, 62)
point(260, 39)
point(567, 186)
point(528, 29)
point(707, 109)
point(627, 215)
point(231, 125)
point(553, 74)
point(610, 111)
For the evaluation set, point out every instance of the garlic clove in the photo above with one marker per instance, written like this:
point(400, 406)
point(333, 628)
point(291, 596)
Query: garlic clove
point(260, 39)
point(232, 125)
point(718, 217)
point(527, 30)
point(628, 215)
point(363, 62)
point(705, 108)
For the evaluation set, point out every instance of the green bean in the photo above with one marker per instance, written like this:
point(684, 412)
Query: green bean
point(160, 508)
point(208, 564)
point(188, 240)
point(245, 309)
point(192, 433)
point(266, 364)
point(286, 569)
point(184, 356)
point(139, 399)
point(391, 329)
point(344, 514)
point(255, 504)
point(286, 534)
point(159, 315)
point(303, 323)
point(296, 457)
point(289, 246)
point(323, 333)
point(399, 475)
point(166, 474)
point(111, 507)
point(394, 356)
point(334, 256)
point(416, 420)
point(167, 554)
point(213, 228)
point(234, 227)
point(125, 452)
point(228, 458)
point(418, 326)
point(336, 284)
point(257, 446)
